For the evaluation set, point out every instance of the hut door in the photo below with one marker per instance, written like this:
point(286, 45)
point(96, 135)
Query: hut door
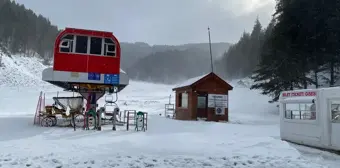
point(202, 105)
point(335, 122)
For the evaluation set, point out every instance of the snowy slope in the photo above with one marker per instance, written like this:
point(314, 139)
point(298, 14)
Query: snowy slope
point(21, 71)
point(22, 75)
point(251, 139)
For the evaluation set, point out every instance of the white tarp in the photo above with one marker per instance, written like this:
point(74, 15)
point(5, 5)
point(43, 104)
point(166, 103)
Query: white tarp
point(74, 103)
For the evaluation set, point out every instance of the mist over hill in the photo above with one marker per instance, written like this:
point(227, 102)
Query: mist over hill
point(168, 64)
point(171, 66)
point(134, 52)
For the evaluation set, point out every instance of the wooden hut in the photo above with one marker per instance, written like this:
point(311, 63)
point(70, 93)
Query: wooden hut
point(204, 97)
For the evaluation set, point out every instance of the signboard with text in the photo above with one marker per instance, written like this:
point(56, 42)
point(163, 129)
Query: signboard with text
point(299, 94)
point(217, 100)
point(93, 76)
point(111, 79)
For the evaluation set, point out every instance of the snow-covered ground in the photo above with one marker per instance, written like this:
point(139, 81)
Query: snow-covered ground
point(250, 139)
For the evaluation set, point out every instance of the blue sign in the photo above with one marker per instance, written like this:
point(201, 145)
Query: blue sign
point(115, 79)
point(93, 76)
point(97, 76)
point(111, 78)
point(107, 78)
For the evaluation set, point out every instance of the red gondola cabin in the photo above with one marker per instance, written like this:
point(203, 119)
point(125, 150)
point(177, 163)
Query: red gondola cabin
point(86, 57)
point(78, 50)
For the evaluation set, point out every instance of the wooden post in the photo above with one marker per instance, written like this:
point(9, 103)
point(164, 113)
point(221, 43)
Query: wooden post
point(127, 121)
point(37, 112)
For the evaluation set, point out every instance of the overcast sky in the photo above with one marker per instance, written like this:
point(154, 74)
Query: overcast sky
point(158, 21)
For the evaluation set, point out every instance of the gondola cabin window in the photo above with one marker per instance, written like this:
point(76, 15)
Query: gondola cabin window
point(96, 45)
point(300, 111)
point(66, 44)
point(109, 47)
point(81, 44)
point(88, 45)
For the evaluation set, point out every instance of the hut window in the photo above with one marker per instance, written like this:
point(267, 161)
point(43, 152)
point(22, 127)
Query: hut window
point(201, 102)
point(109, 47)
point(335, 111)
point(183, 100)
point(300, 111)
point(81, 44)
point(96, 45)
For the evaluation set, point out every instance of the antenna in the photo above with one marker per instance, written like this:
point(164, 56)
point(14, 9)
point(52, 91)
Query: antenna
point(211, 59)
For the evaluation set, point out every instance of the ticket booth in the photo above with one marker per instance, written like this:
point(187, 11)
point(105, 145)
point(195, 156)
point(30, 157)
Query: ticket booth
point(311, 117)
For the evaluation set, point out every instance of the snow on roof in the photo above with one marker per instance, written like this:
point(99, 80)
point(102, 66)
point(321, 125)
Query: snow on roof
point(190, 81)
point(122, 71)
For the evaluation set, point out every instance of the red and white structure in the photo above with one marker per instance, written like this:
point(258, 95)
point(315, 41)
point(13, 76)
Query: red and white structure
point(88, 62)
point(86, 57)
point(311, 117)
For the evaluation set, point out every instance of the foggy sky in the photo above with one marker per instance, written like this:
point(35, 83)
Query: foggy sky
point(158, 21)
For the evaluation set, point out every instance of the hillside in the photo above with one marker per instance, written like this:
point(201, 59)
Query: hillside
point(24, 74)
point(23, 31)
point(171, 66)
point(132, 53)
point(20, 71)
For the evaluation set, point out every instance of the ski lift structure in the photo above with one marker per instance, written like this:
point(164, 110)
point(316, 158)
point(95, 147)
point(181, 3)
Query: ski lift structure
point(112, 112)
point(87, 62)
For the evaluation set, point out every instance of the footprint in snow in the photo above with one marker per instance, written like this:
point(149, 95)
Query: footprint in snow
point(7, 159)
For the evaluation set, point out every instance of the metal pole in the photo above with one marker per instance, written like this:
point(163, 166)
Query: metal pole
point(211, 59)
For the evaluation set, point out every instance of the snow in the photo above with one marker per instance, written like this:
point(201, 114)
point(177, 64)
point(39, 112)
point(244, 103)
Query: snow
point(122, 71)
point(21, 71)
point(250, 139)
point(190, 81)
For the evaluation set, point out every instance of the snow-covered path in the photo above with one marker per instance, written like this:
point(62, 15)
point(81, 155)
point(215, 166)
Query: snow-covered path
point(251, 139)
point(167, 143)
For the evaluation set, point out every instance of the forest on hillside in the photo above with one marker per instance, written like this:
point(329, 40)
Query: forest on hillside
point(135, 53)
point(243, 57)
point(298, 49)
point(171, 66)
point(22, 31)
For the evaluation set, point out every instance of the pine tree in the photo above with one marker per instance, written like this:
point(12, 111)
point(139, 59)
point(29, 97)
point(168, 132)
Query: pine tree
point(303, 40)
point(329, 17)
point(274, 71)
point(242, 58)
point(281, 67)
point(256, 38)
